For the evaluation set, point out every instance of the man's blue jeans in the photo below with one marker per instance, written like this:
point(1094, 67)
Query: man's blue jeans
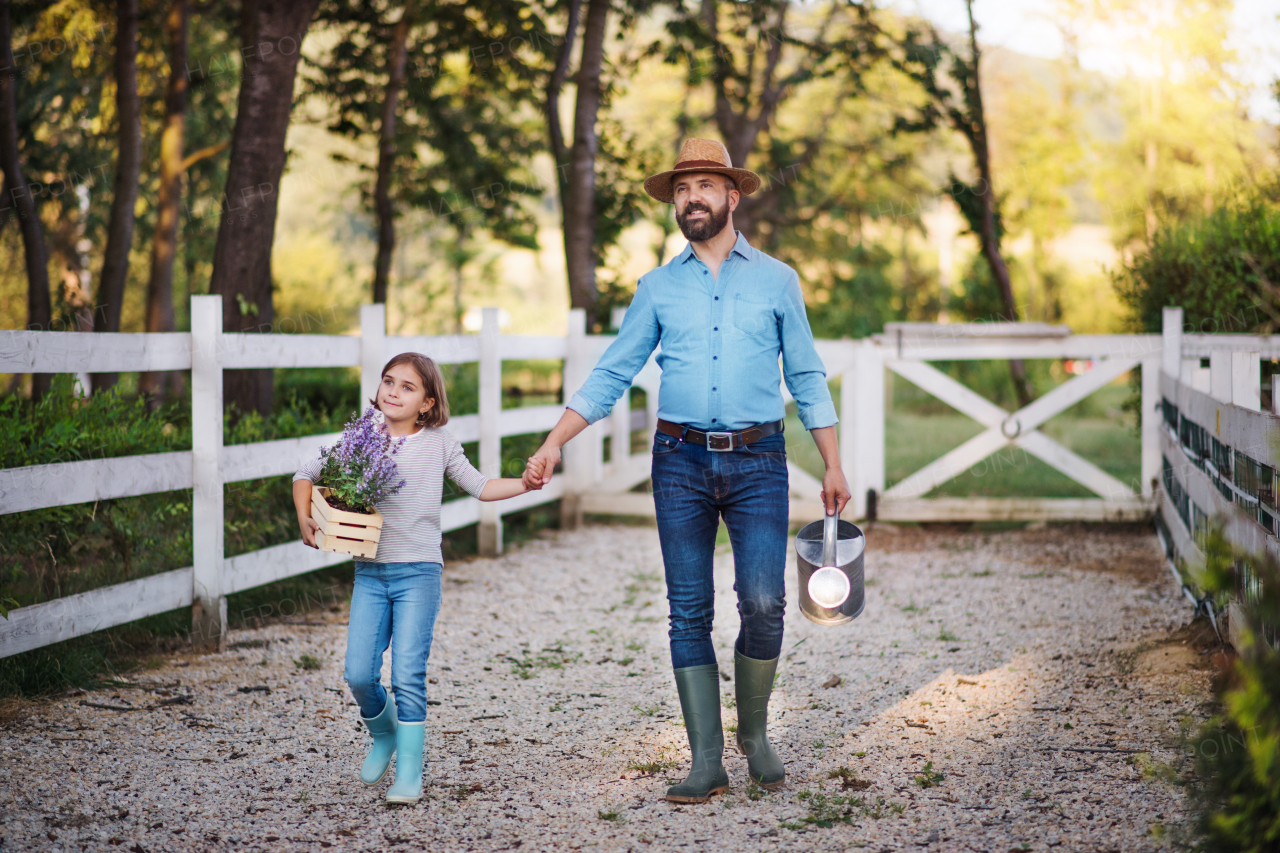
point(692, 488)
point(392, 604)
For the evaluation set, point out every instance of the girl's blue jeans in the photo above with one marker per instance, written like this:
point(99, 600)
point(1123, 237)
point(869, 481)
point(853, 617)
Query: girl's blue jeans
point(392, 604)
point(693, 488)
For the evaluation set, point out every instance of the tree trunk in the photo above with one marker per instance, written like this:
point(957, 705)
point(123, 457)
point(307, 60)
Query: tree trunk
point(115, 262)
point(396, 56)
point(272, 33)
point(580, 201)
point(164, 249)
point(989, 237)
point(39, 305)
point(555, 132)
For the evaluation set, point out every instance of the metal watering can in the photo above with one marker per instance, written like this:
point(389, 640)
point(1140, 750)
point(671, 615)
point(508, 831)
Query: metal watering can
point(829, 561)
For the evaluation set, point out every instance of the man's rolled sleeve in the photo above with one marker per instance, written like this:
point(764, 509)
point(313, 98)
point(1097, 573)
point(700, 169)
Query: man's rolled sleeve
point(590, 410)
point(636, 341)
point(802, 369)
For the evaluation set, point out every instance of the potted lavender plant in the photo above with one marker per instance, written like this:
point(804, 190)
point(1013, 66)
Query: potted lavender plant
point(358, 472)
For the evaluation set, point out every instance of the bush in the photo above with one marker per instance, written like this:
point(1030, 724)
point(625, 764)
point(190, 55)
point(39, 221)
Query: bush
point(1238, 751)
point(1223, 269)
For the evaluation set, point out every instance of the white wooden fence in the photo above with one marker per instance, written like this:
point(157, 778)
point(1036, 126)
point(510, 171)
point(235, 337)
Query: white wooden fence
point(588, 483)
point(1220, 452)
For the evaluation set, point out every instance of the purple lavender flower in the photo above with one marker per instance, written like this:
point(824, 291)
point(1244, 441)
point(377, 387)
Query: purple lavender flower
point(359, 469)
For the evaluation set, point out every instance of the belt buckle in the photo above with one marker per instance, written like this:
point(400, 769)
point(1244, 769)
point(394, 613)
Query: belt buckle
point(713, 439)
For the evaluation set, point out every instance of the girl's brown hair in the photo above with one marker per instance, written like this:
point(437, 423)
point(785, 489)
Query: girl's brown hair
point(432, 383)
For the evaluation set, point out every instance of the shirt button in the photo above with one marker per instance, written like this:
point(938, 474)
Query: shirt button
point(715, 328)
point(704, 272)
point(715, 358)
point(713, 420)
point(717, 299)
point(713, 389)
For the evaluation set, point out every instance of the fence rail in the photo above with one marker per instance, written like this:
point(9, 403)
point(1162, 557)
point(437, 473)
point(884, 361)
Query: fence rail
point(588, 483)
point(1220, 453)
point(207, 351)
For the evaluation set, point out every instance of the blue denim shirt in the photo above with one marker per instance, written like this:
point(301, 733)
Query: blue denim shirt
point(720, 339)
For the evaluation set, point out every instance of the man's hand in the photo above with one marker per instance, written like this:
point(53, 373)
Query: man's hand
point(538, 468)
point(532, 477)
point(309, 528)
point(835, 491)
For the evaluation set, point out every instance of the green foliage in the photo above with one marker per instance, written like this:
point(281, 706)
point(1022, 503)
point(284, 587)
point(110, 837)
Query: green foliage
point(929, 777)
point(308, 662)
point(1238, 751)
point(65, 427)
point(1222, 269)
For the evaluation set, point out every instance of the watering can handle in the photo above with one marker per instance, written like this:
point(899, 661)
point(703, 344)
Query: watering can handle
point(830, 533)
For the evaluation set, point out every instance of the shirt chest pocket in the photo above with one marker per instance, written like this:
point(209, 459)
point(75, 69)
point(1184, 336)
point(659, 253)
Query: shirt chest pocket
point(755, 319)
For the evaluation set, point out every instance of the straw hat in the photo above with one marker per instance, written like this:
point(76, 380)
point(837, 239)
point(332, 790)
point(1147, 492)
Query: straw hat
point(701, 155)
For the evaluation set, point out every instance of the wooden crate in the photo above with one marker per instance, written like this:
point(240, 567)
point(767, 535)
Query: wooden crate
point(344, 532)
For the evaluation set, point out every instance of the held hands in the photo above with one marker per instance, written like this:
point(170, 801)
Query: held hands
point(835, 491)
point(538, 468)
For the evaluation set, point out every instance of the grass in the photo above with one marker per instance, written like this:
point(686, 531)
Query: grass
point(849, 780)
point(664, 761)
point(308, 662)
point(947, 637)
point(827, 810)
point(528, 664)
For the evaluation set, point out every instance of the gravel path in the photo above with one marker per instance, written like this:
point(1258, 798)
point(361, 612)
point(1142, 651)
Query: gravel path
point(1001, 690)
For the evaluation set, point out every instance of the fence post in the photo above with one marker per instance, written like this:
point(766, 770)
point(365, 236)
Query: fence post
point(575, 452)
point(862, 410)
point(489, 534)
point(1246, 380)
point(1171, 339)
point(373, 350)
point(209, 607)
point(1151, 419)
point(1220, 375)
point(620, 432)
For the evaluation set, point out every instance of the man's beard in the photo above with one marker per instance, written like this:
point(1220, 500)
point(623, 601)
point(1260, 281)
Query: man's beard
point(701, 230)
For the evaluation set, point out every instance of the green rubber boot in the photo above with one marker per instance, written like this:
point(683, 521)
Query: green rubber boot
point(383, 729)
point(699, 688)
point(753, 682)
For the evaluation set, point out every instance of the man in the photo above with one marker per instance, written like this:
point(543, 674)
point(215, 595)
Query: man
point(723, 312)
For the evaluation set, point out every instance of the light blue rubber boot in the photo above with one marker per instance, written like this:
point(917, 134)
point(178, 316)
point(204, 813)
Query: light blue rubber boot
point(383, 729)
point(407, 788)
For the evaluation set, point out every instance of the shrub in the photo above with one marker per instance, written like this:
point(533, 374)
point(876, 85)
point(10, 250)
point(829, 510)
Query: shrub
point(1238, 751)
point(1223, 269)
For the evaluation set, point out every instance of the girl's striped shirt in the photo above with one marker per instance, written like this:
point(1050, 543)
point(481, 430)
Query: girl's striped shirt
point(411, 517)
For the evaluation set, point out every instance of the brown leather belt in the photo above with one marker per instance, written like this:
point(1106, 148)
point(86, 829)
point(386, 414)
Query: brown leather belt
point(720, 441)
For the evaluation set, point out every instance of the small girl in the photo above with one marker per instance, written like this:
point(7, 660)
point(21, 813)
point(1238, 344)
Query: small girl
point(396, 599)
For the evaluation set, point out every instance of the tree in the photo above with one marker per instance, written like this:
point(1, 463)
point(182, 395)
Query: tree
point(124, 200)
point(578, 203)
point(454, 139)
point(1187, 138)
point(271, 34)
point(954, 93)
point(396, 57)
point(39, 307)
point(754, 58)
point(173, 165)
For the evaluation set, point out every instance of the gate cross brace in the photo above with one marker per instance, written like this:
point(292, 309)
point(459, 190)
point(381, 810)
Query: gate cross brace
point(1003, 428)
